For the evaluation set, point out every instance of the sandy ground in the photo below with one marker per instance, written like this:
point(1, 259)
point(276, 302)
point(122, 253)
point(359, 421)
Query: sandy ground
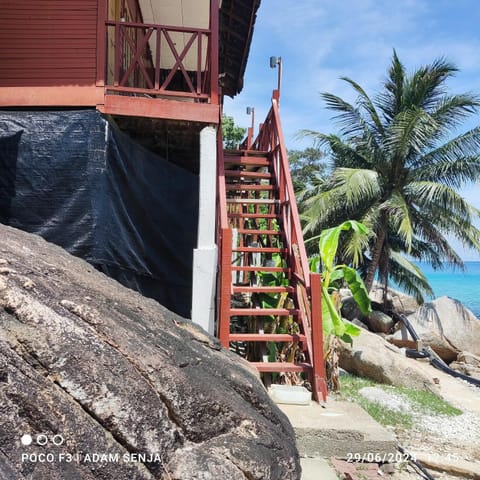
point(451, 440)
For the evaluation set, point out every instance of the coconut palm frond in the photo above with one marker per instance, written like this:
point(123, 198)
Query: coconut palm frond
point(410, 131)
point(452, 110)
point(426, 87)
point(409, 277)
point(359, 185)
point(453, 173)
point(399, 215)
point(367, 104)
point(438, 198)
point(350, 120)
point(390, 102)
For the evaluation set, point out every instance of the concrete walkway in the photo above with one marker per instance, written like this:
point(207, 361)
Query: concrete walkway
point(340, 429)
point(317, 469)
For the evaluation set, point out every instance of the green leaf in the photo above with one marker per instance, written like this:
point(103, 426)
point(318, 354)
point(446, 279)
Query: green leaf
point(269, 300)
point(358, 289)
point(347, 338)
point(314, 263)
point(337, 274)
point(328, 245)
point(332, 322)
point(351, 329)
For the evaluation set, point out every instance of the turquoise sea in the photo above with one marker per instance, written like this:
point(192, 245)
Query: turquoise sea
point(461, 285)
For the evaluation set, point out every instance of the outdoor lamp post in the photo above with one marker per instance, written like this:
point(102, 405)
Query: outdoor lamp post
point(274, 61)
point(250, 111)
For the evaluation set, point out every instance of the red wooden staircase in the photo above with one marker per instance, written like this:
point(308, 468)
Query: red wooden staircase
point(269, 302)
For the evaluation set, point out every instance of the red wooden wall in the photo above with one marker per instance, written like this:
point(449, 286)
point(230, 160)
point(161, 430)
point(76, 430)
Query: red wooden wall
point(48, 42)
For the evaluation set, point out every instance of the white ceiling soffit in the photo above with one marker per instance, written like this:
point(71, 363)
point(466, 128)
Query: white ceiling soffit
point(185, 13)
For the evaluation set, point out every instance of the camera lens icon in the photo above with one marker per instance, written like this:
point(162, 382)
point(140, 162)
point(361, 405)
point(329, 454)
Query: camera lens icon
point(26, 440)
point(57, 440)
point(42, 439)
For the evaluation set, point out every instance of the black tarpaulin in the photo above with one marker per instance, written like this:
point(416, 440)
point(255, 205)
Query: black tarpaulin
point(72, 178)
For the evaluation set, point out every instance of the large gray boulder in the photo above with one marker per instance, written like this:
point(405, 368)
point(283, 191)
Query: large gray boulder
point(372, 357)
point(93, 368)
point(380, 322)
point(445, 325)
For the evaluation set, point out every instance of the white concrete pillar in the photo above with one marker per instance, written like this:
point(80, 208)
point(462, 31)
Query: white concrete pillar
point(205, 255)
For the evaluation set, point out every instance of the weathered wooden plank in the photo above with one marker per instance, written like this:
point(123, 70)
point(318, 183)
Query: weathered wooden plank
point(48, 43)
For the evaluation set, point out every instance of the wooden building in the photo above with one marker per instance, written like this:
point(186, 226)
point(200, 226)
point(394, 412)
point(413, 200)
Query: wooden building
point(118, 55)
point(157, 69)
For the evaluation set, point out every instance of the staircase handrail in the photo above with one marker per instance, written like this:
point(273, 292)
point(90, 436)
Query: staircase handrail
point(270, 138)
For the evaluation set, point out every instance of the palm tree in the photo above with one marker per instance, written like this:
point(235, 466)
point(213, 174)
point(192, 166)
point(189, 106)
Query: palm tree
point(397, 170)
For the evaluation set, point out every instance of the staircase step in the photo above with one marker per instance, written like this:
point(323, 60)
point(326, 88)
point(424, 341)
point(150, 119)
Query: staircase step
point(262, 289)
point(247, 161)
point(281, 366)
point(254, 215)
point(245, 152)
point(260, 250)
point(246, 174)
point(247, 231)
point(249, 186)
point(259, 268)
point(262, 312)
point(254, 201)
point(266, 337)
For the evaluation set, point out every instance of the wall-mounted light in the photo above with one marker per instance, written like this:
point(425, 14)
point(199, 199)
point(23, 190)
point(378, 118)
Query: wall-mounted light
point(251, 111)
point(274, 61)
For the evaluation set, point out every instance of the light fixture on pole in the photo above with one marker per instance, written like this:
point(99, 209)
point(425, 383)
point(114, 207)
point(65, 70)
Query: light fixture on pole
point(250, 111)
point(274, 61)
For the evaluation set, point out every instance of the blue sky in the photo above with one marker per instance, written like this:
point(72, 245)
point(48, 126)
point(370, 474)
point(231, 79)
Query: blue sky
point(322, 40)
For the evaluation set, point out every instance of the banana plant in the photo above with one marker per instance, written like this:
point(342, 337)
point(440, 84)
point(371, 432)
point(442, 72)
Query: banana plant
point(334, 276)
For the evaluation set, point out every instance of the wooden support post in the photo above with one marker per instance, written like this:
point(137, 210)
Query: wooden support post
point(319, 384)
point(225, 286)
point(214, 35)
point(102, 46)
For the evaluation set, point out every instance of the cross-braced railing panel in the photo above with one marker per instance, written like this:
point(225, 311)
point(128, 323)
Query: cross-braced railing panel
point(160, 60)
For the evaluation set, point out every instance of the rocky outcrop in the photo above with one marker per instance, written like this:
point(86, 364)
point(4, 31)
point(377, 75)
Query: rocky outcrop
point(372, 357)
point(468, 364)
point(380, 322)
point(350, 309)
point(398, 302)
point(377, 321)
point(89, 368)
point(469, 359)
point(446, 326)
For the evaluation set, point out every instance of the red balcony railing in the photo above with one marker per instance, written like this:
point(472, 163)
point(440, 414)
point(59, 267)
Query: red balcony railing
point(162, 61)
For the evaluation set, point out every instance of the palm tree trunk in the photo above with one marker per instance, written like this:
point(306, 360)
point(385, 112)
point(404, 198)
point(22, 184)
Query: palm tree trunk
point(377, 252)
point(383, 274)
